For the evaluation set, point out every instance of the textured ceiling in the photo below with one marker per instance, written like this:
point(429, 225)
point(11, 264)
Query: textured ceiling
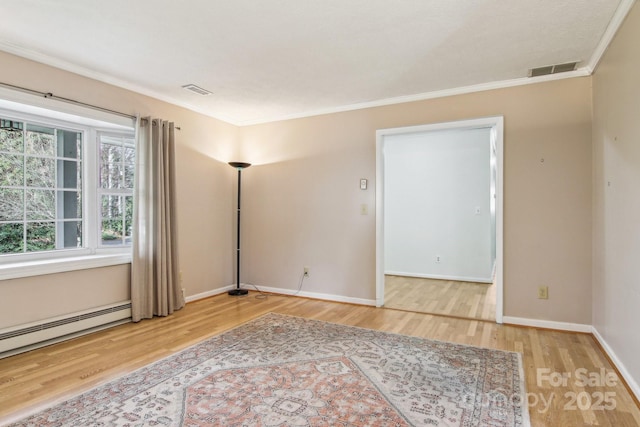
point(271, 59)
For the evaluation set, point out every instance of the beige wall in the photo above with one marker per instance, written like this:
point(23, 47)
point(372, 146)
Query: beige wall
point(303, 200)
point(42, 297)
point(205, 192)
point(616, 236)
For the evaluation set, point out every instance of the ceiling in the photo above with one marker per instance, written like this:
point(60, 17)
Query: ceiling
point(269, 60)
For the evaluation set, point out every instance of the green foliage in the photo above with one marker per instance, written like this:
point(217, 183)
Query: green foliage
point(28, 169)
point(117, 214)
point(33, 160)
point(110, 234)
point(41, 236)
point(11, 236)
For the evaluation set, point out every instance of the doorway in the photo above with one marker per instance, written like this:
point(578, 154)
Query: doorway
point(439, 214)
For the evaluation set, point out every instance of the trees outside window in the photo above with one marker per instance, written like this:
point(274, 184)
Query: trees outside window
point(117, 166)
point(44, 193)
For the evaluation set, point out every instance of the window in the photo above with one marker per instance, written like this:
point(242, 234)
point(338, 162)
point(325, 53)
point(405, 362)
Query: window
point(65, 189)
point(115, 192)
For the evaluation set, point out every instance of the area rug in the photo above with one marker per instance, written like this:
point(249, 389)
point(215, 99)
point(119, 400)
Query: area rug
point(281, 370)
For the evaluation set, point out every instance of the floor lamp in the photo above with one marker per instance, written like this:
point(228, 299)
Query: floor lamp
point(237, 291)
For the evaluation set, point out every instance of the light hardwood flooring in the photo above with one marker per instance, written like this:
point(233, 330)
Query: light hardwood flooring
point(446, 297)
point(47, 375)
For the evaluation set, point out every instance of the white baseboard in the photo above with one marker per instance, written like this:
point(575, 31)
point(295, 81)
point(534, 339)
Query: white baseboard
point(631, 382)
point(314, 295)
point(440, 277)
point(208, 294)
point(547, 324)
point(509, 320)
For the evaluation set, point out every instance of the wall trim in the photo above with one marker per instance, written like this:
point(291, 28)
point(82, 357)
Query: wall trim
point(313, 295)
point(463, 90)
point(614, 25)
point(547, 324)
point(101, 77)
point(292, 292)
point(41, 267)
point(208, 294)
point(631, 382)
point(508, 320)
point(494, 122)
point(440, 277)
point(51, 61)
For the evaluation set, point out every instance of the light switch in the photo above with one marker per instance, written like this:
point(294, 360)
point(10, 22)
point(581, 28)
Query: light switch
point(363, 184)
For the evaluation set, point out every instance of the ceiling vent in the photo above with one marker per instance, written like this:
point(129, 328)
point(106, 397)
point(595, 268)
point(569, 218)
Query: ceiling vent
point(196, 89)
point(553, 69)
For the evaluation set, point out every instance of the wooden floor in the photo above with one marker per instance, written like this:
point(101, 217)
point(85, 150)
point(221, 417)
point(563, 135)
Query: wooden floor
point(43, 376)
point(469, 300)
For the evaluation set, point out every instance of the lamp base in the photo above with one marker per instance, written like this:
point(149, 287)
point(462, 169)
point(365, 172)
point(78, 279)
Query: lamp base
point(236, 292)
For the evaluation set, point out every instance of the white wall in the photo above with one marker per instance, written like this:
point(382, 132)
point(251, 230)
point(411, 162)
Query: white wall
point(616, 199)
point(437, 205)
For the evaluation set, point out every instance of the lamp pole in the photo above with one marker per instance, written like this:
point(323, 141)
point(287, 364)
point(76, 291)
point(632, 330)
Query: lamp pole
point(237, 291)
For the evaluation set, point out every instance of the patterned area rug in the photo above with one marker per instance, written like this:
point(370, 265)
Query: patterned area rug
point(287, 371)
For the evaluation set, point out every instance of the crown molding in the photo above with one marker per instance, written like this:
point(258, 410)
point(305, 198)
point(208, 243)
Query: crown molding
point(581, 72)
point(43, 58)
point(614, 25)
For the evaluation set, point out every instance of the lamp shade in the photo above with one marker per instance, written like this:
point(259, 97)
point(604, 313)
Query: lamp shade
point(239, 165)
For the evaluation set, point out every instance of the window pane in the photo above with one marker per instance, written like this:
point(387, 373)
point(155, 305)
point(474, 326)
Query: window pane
point(11, 204)
point(129, 171)
point(11, 170)
point(40, 172)
point(112, 220)
point(129, 155)
point(42, 194)
point(40, 141)
point(69, 144)
point(110, 153)
point(72, 232)
point(11, 238)
point(68, 174)
point(41, 236)
point(69, 204)
point(111, 176)
point(40, 204)
point(128, 219)
point(11, 141)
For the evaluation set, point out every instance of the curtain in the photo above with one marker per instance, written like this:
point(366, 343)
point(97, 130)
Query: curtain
point(155, 282)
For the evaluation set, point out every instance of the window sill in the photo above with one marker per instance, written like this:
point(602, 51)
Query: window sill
point(17, 270)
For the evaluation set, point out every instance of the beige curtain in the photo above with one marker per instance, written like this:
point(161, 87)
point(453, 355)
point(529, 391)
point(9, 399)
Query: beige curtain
point(155, 282)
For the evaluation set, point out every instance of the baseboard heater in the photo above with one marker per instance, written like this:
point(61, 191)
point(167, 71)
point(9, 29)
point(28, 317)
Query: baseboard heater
point(26, 337)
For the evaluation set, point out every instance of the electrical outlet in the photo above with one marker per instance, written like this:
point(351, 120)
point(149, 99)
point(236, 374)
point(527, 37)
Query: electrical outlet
point(184, 293)
point(180, 277)
point(543, 292)
point(306, 271)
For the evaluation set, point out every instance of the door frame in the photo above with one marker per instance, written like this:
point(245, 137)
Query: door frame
point(496, 123)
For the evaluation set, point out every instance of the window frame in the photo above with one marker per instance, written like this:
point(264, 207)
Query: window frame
point(108, 192)
point(91, 254)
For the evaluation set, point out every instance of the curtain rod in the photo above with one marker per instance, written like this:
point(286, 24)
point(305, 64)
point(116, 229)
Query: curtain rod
point(50, 95)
